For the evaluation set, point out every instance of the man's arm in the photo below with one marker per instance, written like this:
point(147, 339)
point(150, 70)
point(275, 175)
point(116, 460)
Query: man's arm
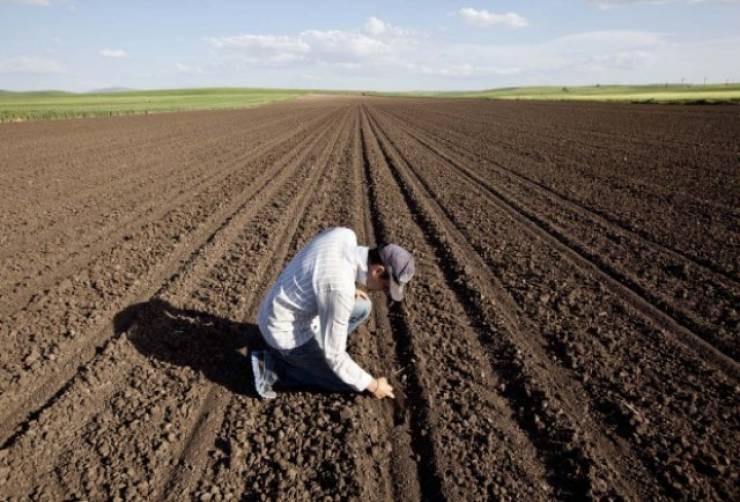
point(379, 387)
point(335, 307)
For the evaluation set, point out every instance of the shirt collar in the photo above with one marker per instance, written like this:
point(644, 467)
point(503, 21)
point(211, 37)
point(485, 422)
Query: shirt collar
point(361, 264)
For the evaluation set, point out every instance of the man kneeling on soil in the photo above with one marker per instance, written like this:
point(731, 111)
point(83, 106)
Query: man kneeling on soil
point(307, 314)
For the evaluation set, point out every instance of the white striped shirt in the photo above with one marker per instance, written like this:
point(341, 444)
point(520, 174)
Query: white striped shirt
point(314, 296)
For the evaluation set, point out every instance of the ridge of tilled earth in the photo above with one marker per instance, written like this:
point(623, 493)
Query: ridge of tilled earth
point(698, 297)
point(152, 400)
point(522, 370)
point(76, 176)
point(454, 401)
point(298, 446)
point(636, 189)
point(128, 179)
point(582, 298)
point(28, 273)
point(70, 320)
point(238, 416)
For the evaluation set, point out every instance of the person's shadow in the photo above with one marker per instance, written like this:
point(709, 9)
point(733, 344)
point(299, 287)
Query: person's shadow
point(204, 342)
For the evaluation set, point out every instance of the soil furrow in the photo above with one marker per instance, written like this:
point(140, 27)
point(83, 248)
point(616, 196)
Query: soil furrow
point(458, 387)
point(607, 189)
point(266, 185)
point(196, 432)
point(519, 336)
point(154, 312)
point(390, 449)
point(246, 467)
point(510, 128)
point(604, 130)
point(413, 471)
point(568, 464)
point(115, 173)
point(427, 137)
point(573, 316)
point(280, 470)
point(700, 326)
point(156, 166)
point(532, 358)
point(48, 155)
point(65, 263)
point(194, 457)
point(215, 197)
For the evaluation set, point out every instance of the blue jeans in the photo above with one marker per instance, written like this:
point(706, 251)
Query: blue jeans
point(305, 366)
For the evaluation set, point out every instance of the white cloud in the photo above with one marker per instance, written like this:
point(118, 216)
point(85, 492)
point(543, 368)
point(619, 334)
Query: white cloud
point(114, 53)
point(598, 41)
point(374, 26)
point(267, 49)
point(30, 65)
point(312, 45)
point(263, 42)
point(463, 70)
point(459, 70)
point(607, 4)
point(377, 41)
point(43, 3)
point(380, 29)
point(577, 58)
point(337, 43)
point(380, 55)
point(484, 18)
point(191, 70)
point(633, 59)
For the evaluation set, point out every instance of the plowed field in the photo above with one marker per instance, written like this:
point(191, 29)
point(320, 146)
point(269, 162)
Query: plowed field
point(571, 333)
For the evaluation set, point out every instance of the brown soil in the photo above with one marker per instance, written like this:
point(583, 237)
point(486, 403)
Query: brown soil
point(572, 331)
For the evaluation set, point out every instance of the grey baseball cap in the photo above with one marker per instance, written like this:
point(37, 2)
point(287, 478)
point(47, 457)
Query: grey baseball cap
point(400, 266)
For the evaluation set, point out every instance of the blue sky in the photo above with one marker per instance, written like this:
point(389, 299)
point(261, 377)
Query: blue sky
point(401, 45)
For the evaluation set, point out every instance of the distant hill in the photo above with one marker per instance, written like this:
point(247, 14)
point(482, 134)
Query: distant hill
point(49, 93)
point(108, 90)
point(15, 106)
point(52, 92)
point(650, 93)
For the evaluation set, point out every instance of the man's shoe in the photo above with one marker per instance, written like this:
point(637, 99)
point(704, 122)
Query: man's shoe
point(263, 377)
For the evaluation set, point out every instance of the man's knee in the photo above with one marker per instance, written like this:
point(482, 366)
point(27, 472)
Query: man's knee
point(363, 308)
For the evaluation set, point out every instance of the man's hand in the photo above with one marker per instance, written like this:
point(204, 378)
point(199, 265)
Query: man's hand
point(380, 388)
point(361, 294)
